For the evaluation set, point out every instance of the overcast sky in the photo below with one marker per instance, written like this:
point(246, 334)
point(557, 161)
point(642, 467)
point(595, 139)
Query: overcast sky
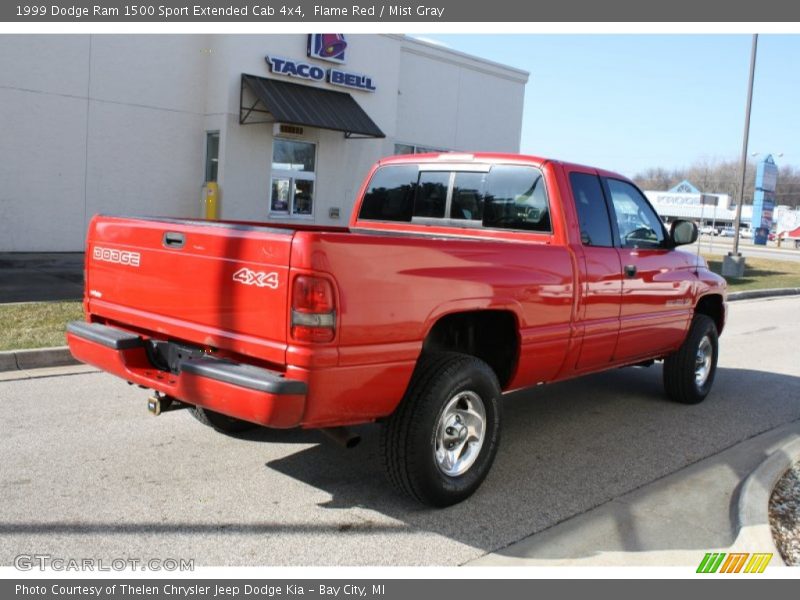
point(628, 102)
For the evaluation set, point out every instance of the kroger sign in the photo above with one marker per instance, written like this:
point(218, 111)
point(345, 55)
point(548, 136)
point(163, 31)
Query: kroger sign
point(303, 70)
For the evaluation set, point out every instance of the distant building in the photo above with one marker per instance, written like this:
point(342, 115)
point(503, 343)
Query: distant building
point(685, 201)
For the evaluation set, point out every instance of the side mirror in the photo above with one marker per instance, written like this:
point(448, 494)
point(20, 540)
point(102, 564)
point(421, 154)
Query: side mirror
point(683, 232)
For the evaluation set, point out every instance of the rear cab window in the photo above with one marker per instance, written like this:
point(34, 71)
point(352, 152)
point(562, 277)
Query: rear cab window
point(503, 197)
point(516, 199)
point(390, 195)
point(430, 199)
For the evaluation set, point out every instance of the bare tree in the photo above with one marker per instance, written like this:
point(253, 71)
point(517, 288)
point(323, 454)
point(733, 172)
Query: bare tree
point(722, 177)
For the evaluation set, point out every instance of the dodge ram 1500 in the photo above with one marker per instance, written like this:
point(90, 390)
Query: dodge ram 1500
point(460, 277)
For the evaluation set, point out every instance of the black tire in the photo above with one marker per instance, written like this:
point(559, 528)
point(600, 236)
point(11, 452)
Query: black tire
point(680, 381)
point(219, 422)
point(409, 439)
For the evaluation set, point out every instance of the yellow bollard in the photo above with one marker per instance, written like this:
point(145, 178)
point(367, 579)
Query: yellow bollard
point(210, 199)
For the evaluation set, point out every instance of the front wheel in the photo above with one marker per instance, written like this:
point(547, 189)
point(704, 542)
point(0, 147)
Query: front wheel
point(441, 441)
point(689, 372)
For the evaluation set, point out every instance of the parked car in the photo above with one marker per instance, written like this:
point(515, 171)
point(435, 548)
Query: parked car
point(707, 230)
point(459, 278)
point(746, 233)
point(727, 232)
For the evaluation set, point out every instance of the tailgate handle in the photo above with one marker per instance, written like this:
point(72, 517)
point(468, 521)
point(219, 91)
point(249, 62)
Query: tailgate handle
point(173, 239)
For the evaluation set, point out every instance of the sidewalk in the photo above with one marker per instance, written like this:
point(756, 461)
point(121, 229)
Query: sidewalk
point(34, 276)
point(673, 521)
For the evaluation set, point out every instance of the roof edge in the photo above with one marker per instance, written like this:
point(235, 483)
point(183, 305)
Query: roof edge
point(425, 48)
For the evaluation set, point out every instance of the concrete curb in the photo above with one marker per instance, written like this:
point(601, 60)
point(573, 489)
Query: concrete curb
point(769, 293)
point(36, 358)
point(753, 505)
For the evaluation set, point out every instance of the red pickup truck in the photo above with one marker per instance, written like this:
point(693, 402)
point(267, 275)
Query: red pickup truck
point(460, 277)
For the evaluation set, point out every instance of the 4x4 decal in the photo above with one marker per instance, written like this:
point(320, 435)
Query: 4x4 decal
point(256, 278)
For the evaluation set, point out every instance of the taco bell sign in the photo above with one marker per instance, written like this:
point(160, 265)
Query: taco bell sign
point(327, 46)
point(324, 46)
point(302, 70)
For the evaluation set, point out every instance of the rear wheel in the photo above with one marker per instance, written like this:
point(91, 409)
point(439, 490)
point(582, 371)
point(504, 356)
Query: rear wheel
point(220, 422)
point(689, 372)
point(441, 441)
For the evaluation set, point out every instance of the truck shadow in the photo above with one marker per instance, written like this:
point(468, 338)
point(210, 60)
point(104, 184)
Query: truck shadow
point(566, 448)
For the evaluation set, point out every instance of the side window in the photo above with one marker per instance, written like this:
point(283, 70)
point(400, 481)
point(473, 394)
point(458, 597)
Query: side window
point(431, 194)
point(638, 224)
point(515, 198)
point(390, 194)
point(467, 202)
point(592, 210)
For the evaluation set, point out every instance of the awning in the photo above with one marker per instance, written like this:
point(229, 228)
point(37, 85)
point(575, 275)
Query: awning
point(295, 104)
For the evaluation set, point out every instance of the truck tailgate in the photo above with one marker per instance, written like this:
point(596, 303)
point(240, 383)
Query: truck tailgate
point(215, 284)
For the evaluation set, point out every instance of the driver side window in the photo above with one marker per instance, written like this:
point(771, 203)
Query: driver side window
point(637, 222)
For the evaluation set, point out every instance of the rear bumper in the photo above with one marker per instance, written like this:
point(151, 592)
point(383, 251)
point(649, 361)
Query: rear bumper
point(243, 391)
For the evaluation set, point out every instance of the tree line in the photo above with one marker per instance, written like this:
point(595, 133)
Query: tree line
point(722, 177)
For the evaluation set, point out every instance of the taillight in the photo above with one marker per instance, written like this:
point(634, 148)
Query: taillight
point(313, 309)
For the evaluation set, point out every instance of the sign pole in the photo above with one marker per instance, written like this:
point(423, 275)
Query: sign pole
point(733, 265)
point(713, 229)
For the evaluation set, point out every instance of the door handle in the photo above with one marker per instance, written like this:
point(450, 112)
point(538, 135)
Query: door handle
point(174, 240)
point(630, 270)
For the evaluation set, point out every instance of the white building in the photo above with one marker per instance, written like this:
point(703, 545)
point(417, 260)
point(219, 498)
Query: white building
point(684, 201)
point(135, 124)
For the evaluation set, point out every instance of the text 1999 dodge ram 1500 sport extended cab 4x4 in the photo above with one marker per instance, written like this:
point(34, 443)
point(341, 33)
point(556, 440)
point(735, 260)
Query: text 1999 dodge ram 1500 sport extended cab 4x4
point(460, 277)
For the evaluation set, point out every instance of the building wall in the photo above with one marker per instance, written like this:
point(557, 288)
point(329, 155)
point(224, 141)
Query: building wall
point(145, 153)
point(96, 123)
point(453, 101)
point(116, 124)
point(43, 89)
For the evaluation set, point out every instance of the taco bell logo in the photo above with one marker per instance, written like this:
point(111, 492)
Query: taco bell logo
point(327, 46)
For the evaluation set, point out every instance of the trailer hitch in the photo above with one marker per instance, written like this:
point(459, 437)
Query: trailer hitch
point(159, 403)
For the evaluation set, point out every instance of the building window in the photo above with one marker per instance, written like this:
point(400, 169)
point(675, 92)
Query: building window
point(293, 175)
point(212, 155)
point(403, 149)
point(413, 149)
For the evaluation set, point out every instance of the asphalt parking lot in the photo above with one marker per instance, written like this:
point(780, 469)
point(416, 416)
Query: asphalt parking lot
point(38, 276)
point(87, 472)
